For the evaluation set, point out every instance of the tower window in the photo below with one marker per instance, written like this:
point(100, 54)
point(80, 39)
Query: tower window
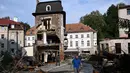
point(48, 8)
point(47, 23)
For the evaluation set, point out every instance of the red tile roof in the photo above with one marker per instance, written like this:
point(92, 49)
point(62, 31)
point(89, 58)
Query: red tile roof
point(70, 28)
point(31, 31)
point(78, 27)
point(7, 21)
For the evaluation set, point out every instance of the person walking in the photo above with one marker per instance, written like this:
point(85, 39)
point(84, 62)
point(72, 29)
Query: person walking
point(76, 64)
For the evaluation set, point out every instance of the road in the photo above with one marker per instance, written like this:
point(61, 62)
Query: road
point(87, 68)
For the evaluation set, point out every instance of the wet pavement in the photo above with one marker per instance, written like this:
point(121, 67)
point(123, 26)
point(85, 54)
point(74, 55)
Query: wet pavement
point(64, 68)
point(87, 68)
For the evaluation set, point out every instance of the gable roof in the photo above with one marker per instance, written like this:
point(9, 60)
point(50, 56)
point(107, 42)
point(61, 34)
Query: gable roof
point(31, 31)
point(7, 22)
point(78, 27)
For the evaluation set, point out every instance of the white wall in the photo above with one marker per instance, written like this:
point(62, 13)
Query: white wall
point(31, 41)
point(92, 38)
point(3, 30)
point(111, 44)
point(29, 51)
point(122, 13)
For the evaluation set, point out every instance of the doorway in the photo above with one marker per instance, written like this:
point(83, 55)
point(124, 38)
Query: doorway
point(118, 48)
point(128, 47)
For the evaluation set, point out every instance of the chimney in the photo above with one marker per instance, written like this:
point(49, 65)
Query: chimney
point(15, 19)
point(37, 1)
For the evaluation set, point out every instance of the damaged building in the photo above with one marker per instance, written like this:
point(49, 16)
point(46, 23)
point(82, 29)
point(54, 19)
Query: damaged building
point(50, 30)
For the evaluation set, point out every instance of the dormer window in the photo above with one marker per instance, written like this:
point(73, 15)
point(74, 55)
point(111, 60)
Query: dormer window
point(82, 28)
point(12, 26)
point(48, 8)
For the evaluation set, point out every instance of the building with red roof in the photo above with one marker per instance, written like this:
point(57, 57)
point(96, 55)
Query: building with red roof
point(11, 35)
point(82, 39)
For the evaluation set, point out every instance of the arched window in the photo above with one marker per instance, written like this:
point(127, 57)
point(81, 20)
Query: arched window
point(48, 8)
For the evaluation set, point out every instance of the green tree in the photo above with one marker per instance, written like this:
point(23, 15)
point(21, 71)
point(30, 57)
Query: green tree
point(96, 21)
point(27, 26)
point(111, 19)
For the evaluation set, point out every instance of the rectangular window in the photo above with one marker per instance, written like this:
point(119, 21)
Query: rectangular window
point(88, 36)
point(88, 43)
point(47, 23)
point(107, 47)
point(2, 45)
point(71, 36)
point(2, 36)
point(28, 44)
point(76, 44)
point(28, 38)
point(128, 11)
point(118, 47)
point(33, 38)
point(76, 36)
point(128, 47)
point(71, 43)
point(82, 42)
point(82, 36)
point(3, 28)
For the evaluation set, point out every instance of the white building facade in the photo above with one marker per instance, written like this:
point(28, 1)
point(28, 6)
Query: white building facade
point(11, 36)
point(30, 37)
point(30, 40)
point(124, 13)
point(82, 39)
point(116, 46)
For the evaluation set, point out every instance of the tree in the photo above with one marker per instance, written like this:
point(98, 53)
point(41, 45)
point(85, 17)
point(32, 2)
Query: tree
point(96, 21)
point(27, 26)
point(111, 19)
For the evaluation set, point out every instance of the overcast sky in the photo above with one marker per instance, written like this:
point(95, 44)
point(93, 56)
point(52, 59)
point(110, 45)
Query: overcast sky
point(23, 9)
